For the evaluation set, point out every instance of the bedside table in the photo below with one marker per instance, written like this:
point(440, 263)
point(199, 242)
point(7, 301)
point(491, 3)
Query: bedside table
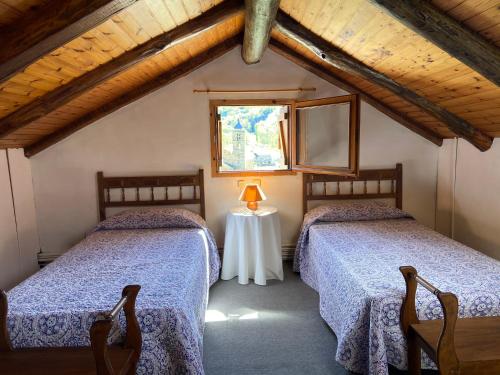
point(252, 246)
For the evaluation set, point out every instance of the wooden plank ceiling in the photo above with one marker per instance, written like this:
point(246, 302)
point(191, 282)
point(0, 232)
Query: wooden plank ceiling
point(358, 27)
point(370, 35)
point(13, 11)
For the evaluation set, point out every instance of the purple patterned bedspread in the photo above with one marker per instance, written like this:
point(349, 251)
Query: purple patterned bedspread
point(354, 266)
point(175, 262)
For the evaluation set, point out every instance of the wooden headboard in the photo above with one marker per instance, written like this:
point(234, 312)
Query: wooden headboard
point(154, 183)
point(394, 175)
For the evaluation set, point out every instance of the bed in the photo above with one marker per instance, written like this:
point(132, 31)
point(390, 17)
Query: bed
point(168, 251)
point(350, 252)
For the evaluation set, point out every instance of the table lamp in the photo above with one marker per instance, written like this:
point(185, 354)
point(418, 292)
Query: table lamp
point(252, 194)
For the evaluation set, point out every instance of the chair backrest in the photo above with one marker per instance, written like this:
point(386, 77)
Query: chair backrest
point(446, 355)
point(99, 331)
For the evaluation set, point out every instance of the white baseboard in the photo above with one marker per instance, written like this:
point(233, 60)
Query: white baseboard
point(287, 252)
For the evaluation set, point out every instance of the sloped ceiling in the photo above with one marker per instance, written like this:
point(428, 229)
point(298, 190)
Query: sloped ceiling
point(99, 72)
point(373, 37)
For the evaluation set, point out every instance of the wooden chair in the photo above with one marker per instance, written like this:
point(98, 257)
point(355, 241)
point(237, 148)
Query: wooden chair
point(100, 358)
point(458, 346)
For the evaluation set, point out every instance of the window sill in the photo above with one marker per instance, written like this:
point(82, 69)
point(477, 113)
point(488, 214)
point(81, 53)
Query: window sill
point(286, 172)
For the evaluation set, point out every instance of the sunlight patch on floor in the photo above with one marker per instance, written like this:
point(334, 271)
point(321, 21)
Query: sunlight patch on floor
point(219, 316)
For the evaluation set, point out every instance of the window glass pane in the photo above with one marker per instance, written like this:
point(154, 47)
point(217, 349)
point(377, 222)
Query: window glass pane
point(254, 138)
point(324, 135)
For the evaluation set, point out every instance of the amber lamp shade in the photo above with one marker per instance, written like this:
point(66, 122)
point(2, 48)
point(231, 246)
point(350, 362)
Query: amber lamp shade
point(252, 194)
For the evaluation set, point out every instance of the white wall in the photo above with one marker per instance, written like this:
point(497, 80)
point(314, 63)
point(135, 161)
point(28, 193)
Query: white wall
point(168, 132)
point(9, 251)
point(445, 183)
point(476, 198)
point(18, 229)
point(27, 229)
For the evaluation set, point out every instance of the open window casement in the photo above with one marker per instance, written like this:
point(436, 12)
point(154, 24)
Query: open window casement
point(280, 136)
point(325, 135)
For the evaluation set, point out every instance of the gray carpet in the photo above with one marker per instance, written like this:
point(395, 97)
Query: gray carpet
point(274, 329)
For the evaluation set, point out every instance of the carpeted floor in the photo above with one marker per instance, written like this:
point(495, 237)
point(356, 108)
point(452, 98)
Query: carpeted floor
point(274, 329)
point(263, 330)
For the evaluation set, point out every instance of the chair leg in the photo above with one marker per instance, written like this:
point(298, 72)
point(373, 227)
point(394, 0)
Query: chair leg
point(414, 360)
point(132, 370)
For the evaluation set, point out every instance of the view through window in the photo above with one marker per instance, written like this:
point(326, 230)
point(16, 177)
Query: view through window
point(253, 138)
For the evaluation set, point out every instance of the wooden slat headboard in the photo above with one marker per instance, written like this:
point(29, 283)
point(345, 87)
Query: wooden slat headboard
point(153, 183)
point(396, 190)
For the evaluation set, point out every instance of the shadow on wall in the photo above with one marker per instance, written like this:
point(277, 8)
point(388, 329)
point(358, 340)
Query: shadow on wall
point(416, 184)
point(443, 221)
point(10, 273)
point(466, 234)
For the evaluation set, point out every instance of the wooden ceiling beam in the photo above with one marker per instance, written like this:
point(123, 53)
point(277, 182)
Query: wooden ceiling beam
point(259, 19)
point(451, 36)
point(45, 29)
point(337, 58)
point(332, 78)
point(133, 95)
point(62, 95)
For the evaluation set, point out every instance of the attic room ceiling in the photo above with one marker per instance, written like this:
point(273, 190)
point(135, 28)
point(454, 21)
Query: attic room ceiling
point(76, 66)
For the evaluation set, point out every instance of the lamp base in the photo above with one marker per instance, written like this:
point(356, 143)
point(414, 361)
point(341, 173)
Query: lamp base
point(253, 206)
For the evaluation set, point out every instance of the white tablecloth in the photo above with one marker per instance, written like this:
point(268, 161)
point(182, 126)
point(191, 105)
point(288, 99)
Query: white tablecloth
point(252, 247)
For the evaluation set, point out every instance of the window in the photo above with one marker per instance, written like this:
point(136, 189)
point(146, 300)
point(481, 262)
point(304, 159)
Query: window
point(250, 137)
point(269, 137)
point(325, 136)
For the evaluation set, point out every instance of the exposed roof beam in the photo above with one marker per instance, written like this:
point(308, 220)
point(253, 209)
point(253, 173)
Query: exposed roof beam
point(43, 30)
point(259, 18)
point(64, 94)
point(341, 60)
point(137, 93)
point(448, 34)
point(329, 76)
